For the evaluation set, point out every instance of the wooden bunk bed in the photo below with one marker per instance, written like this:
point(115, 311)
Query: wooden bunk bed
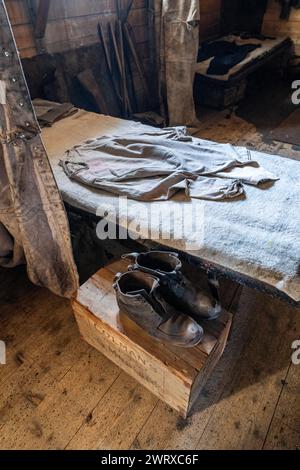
point(221, 91)
point(239, 238)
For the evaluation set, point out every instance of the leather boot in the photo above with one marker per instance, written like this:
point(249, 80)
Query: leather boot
point(175, 287)
point(138, 295)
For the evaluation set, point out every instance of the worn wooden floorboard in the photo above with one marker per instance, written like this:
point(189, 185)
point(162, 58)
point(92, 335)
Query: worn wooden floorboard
point(242, 418)
point(224, 127)
point(282, 437)
point(54, 381)
point(117, 418)
point(288, 409)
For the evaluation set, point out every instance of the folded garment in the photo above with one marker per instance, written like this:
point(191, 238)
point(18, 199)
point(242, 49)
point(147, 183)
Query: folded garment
point(157, 164)
point(49, 112)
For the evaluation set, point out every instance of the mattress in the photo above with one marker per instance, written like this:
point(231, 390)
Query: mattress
point(256, 237)
point(267, 48)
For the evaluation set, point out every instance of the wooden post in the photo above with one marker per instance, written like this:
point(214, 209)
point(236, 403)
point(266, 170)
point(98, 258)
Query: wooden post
point(139, 66)
point(108, 62)
point(42, 18)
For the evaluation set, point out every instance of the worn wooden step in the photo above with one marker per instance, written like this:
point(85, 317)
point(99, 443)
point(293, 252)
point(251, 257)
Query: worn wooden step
point(176, 375)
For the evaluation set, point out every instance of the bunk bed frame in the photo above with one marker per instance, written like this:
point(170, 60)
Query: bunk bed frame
point(20, 125)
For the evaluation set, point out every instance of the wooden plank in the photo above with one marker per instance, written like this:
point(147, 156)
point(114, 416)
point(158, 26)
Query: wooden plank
point(24, 391)
point(106, 51)
point(120, 61)
point(87, 8)
point(17, 12)
point(53, 344)
point(36, 409)
point(242, 418)
point(54, 327)
point(282, 437)
point(117, 418)
point(42, 18)
point(88, 81)
point(72, 24)
point(241, 133)
point(24, 37)
point(131, 359)
point(118, 41)
point(41, 387)
point(288, 409)
point(133, 49)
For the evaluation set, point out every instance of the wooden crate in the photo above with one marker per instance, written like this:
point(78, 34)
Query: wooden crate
point(175, 375)
point(218, 94)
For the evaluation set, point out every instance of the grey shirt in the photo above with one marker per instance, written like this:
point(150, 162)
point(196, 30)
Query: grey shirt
point(156, 164)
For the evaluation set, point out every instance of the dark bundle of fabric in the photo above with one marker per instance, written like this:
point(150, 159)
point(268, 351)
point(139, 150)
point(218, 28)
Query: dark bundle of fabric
point(287, 5)
point(224, 54)
point(49, 112)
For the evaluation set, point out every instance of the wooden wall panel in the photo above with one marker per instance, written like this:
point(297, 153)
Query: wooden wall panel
point(17, 11)
point(72, 23)
point(23, 32)
point(273, 25)
point(210, 21)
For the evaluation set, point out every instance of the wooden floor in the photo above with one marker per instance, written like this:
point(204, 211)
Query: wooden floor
point(221, 126)
point(56, 392)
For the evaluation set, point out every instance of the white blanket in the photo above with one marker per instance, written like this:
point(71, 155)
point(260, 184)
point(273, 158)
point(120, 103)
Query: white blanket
point(258, 236)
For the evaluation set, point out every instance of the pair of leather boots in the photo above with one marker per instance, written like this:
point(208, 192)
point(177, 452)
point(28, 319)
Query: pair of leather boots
point(154, 293)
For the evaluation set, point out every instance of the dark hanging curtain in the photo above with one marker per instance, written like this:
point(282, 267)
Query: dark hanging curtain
point(243, 15)
point(176, 43)
point(287, 5)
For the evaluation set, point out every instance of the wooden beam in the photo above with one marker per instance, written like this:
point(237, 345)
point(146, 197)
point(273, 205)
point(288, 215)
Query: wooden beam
point(120, 60)
point(108, 62)
point(139, 65)
point(42, 18)
point(123, 12)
